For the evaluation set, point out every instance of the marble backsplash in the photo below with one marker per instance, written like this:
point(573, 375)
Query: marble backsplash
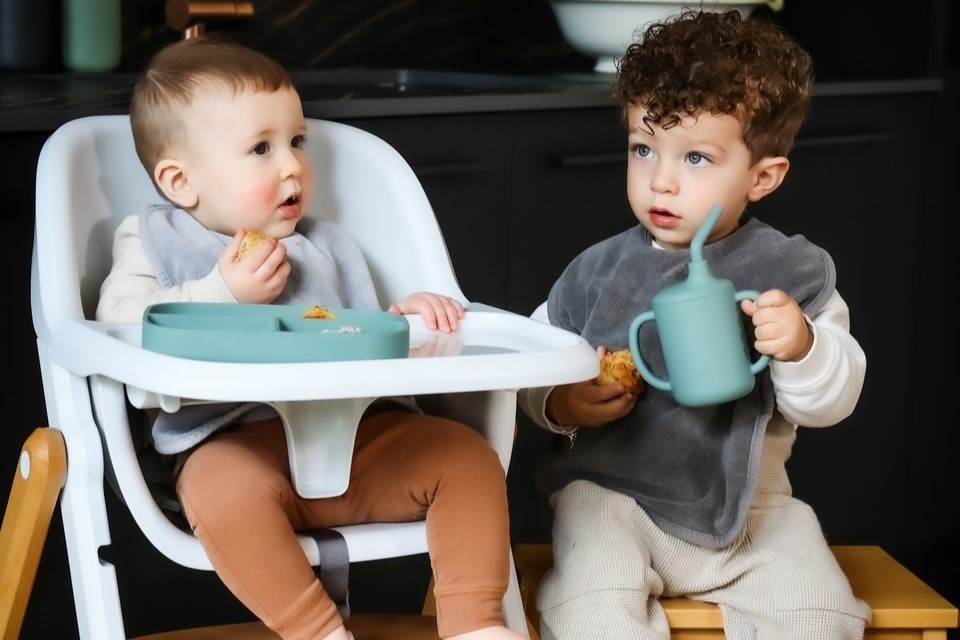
point(494, 35)
point(510, 36)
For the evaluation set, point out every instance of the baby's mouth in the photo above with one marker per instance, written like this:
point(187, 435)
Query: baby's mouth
point(292, 207)
point(656, 211)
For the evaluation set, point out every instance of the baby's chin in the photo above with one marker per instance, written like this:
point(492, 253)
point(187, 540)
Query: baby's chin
point(284, 227)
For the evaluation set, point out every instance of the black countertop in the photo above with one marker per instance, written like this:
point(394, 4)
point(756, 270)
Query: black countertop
point(43, 102)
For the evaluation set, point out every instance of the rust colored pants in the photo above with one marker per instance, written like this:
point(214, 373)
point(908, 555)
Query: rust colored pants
point(238, 497)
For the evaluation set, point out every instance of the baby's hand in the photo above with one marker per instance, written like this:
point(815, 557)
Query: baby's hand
point(780, 329)
point(438, 312)
point(260, 275)
point(586, 404)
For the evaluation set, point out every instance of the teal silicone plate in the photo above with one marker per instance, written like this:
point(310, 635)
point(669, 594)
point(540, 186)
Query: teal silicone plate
point(223, 332)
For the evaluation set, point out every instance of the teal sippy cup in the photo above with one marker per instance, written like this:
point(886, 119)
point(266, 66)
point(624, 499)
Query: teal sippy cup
point(698, 323)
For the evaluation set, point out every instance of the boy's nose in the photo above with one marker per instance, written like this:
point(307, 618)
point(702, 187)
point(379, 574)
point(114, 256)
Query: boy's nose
point(663, 180)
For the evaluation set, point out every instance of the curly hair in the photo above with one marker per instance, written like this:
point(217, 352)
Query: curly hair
point(181, 72)
point(719, 63)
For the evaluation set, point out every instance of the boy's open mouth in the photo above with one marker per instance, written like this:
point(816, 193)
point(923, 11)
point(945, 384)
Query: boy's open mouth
point(657, 211)
point(292, 200)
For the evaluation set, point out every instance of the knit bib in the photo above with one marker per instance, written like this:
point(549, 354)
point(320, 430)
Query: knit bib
point(693, 470)
point(328, 269)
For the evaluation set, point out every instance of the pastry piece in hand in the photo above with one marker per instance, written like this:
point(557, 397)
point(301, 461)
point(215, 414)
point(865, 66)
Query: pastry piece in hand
point(251, 240)
point(319, 313)
point(618, 366)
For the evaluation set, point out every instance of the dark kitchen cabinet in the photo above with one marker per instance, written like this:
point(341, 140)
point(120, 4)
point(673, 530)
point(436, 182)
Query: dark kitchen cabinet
point(854, 188)
point(464, 164)
point(516, 194)
point(569, 192)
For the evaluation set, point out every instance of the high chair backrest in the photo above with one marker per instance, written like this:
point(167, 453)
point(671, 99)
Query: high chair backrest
point(89, 179)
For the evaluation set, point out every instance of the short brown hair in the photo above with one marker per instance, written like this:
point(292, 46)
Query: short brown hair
point(179, 73)
point(719, 63)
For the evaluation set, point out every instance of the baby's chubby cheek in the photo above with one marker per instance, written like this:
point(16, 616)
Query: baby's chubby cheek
point(264, 194)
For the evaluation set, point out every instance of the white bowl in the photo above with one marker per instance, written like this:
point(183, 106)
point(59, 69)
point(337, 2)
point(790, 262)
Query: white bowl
point(603, 29)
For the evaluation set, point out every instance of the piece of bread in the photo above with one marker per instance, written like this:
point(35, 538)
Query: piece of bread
point(319, 313)
point(618, 366)
point(251, 240)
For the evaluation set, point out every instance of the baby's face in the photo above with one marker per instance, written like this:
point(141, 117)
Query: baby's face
point(247, 161)
point(675, 175)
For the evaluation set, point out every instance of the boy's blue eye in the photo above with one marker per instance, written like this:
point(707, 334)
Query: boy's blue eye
point(641, 150)
point(695, 158)
point(298, 141)
point(261, 148)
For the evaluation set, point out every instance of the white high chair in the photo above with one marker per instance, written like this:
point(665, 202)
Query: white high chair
point(88, 180)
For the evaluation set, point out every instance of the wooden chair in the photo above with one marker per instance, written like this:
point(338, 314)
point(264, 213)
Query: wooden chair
point(904, 607)
point(37, 481)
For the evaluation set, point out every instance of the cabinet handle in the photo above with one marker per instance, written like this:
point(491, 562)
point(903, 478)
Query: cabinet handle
point(449, 168)
point(592, 159)
point(867, 137)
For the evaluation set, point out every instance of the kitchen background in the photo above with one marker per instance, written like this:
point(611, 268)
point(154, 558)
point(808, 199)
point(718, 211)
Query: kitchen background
point(849, 40)
point(887, 476)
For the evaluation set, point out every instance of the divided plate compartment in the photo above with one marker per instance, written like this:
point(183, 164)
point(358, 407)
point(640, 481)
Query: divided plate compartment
point(261, 333)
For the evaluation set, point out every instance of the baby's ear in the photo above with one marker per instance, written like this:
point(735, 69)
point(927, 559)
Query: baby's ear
point(768, 176)
point(172, 181)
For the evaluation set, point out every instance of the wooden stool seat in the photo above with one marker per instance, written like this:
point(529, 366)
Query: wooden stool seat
point(904, 607)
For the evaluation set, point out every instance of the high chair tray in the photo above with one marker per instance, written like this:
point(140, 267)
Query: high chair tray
point(321, 402)
point(223, 332)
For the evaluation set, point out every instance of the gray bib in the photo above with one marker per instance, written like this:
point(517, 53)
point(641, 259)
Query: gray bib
point(328, 269)
point(694, 471)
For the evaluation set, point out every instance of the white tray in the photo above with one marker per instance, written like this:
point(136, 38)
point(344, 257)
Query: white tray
point(321, 402)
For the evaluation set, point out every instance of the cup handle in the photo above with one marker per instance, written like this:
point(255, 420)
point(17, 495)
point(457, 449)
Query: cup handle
point(763, 360)
point(652, 380)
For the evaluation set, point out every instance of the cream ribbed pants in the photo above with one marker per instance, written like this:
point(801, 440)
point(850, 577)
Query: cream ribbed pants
point(778, 581)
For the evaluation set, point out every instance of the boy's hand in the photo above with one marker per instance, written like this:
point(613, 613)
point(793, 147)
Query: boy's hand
point(439, 312)
point(258, 277)
point(780, 329)
point(586, 404)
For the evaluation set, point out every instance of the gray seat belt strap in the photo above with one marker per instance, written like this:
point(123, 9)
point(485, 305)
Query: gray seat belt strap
point(334, 567)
